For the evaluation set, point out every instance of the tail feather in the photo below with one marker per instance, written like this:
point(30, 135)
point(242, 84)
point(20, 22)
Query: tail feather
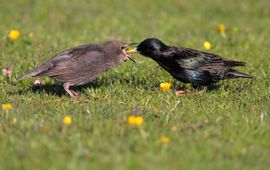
point(232, 63)
point(32, 73)
point(37, 71)
point(236, 74)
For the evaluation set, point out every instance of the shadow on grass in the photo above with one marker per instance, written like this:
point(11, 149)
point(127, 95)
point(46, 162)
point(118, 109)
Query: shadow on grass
point(57, 89)
point(182, 86)
point(112, 80)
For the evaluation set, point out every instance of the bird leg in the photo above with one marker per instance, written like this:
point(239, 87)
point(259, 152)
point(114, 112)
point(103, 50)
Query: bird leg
point(74, 93)
point(71, 93)
point(201, 90)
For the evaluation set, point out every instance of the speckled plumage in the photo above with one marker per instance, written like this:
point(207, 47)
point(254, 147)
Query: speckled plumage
point(191, 66)
point(82, 64)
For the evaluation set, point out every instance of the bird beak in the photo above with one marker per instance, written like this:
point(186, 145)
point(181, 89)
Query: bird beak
point(129, 57)
point(130, 49)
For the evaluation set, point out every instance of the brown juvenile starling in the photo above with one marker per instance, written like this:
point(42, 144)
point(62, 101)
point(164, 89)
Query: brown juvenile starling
point(187, 65)
point(82, 64)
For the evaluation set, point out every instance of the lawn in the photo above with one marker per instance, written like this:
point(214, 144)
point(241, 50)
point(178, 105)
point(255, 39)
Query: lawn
point(226, 128)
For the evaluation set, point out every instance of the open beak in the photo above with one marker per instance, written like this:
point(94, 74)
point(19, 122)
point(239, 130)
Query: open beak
point(129, 57)
point(129, 50)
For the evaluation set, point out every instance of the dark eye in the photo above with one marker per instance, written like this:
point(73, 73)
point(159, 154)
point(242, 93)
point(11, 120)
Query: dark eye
point(123, 47)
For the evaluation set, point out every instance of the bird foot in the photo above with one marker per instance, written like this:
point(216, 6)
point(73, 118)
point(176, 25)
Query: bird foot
point(180, 92)
point(74, 95)
point(201, 91)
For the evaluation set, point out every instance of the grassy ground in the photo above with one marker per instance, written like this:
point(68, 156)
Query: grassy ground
point(227, 128)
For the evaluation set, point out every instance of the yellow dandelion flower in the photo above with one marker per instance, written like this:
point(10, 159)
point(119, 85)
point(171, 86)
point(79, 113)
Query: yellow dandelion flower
point(165, 86)
point(221, 28)
point(135, 121)
point(6, 106)
point(164, 139)
point(67, 120)
point(139, 121)
point(207, 45)
point(13, 35)
point(132, 120)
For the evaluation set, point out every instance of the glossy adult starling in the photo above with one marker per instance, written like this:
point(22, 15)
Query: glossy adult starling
point(199, 68)
point(82, 64)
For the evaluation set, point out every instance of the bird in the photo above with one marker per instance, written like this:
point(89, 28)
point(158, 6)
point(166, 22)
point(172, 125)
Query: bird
point(200, 69)
point(81, 64)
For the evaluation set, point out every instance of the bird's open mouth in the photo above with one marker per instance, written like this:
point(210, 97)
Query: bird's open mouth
point(129, 50)
point(129, 57)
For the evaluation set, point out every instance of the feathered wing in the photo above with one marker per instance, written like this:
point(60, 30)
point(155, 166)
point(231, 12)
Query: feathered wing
point(195, 59)
point(37, 71)
point(207, 66)
point(231, 73)
point(86, 68)
point(50, 64)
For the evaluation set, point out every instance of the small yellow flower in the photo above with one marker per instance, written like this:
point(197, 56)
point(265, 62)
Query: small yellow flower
point(6, 106)
point(13, 35)
point(165, 86)
point(135, 120)
point(221, 28)
point(139, 121)
point(207, 45)
point(164, 139)
point(67, 120)
point(132, 120)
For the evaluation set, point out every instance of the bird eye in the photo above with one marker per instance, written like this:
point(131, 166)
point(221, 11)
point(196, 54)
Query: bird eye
point(123, 47)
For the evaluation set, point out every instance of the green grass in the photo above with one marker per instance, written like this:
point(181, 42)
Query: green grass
point(227, 128)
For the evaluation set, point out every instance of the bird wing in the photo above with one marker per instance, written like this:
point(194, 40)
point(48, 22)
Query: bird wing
point(75, 65)
point(193, 59)
point(200, 65)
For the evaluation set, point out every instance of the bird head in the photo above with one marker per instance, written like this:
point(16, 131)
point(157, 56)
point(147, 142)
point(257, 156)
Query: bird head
point(149, 47)
point(119, 49)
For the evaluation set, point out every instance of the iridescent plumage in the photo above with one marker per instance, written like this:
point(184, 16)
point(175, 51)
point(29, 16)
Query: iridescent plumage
point(191, 66)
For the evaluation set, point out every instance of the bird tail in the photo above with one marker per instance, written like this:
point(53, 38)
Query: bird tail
point(32, 73)
point(232, 63)
point(236, 74)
